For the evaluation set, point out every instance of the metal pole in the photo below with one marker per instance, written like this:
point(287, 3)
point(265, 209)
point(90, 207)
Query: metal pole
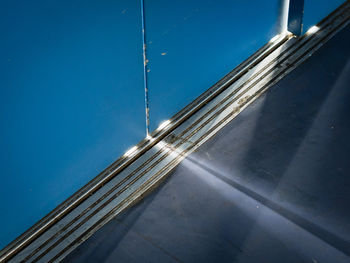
point(295, 17)
point(284, 10)
point(145, 66)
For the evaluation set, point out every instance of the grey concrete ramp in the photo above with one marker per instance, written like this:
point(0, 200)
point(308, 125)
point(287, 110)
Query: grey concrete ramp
point(272, 186)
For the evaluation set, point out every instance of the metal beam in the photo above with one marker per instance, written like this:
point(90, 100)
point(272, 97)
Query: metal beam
point(295, 17)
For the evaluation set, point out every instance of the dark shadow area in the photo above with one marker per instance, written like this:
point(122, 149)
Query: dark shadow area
point(316, 230)
point(272, 186)
point(109, 239)
point(187, 217)
point(291, 146)
point(299, 147)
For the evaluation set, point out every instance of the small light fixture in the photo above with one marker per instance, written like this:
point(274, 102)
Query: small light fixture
point(163, 125)
point(312, 30)
point(274, 38)
point(149, 138)
point(130, 151)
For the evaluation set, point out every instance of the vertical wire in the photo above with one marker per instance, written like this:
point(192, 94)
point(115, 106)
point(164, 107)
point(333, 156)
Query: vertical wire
point(145, 82)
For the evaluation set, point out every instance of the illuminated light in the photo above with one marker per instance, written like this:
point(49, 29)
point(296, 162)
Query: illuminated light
point(274, 38)
point(312, 30)
point(150, 138)
point(130, 151)
point(163, 124)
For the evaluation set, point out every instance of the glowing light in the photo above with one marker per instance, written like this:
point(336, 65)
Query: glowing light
point(130, 151)
point(150, 138)
point(312, 30)
point(274, 38)
point(163, 124)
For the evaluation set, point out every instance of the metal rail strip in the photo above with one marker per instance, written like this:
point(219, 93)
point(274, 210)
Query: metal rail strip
point(131, 177)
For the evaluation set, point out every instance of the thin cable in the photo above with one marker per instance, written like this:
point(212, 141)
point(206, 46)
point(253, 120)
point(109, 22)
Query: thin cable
point(145, 66)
